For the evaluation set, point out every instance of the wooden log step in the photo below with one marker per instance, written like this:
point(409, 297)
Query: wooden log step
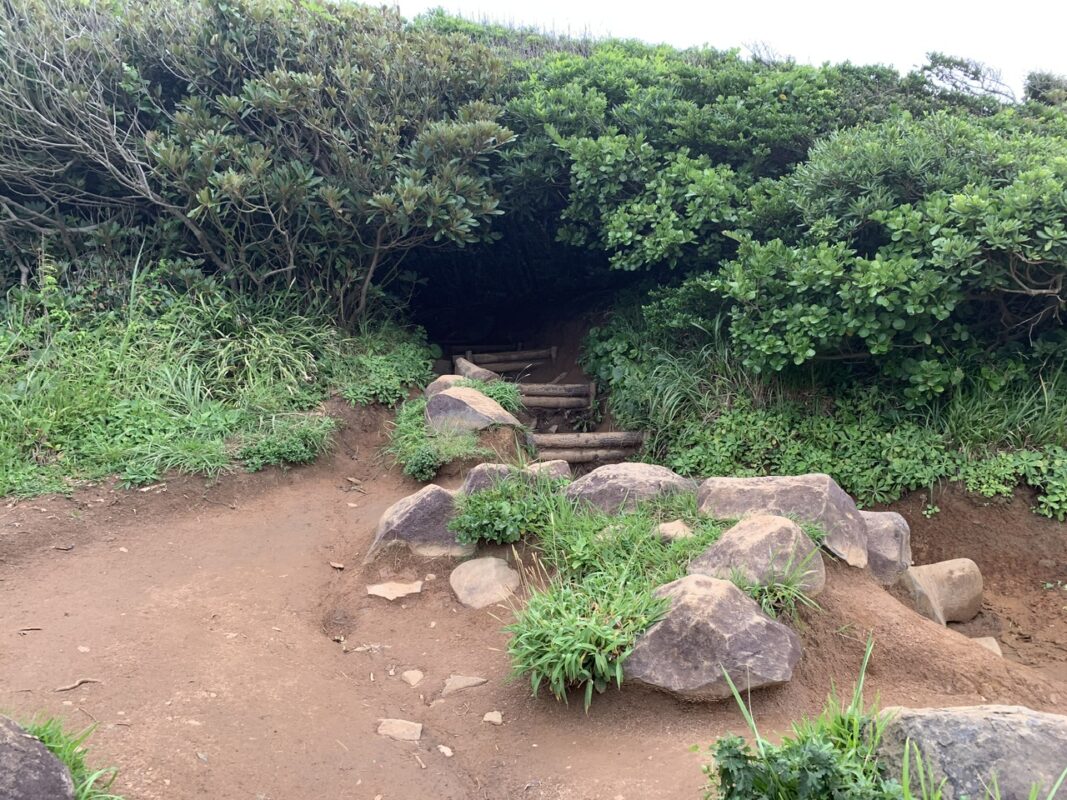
point(511, 366)
point(541, 401)
point(556, 389)
point(584, 455)
point(572, 440)
point(546, 354)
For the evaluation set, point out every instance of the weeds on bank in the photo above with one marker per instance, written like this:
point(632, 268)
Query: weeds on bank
point(70, 749)
point(505, 393)
point(421, 451)
point(193, 379)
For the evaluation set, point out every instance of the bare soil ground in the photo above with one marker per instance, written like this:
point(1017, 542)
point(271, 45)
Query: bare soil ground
point(208, 613)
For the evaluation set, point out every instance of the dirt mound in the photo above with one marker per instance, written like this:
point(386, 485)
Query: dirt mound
point(1023, 560)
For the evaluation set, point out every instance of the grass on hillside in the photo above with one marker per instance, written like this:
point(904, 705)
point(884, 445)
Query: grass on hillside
point(707, 414)
point(198, 381)
point(70, 749)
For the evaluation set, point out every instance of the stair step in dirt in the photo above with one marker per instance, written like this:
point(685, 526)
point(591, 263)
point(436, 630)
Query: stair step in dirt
point(607, 439)
point(585, 455)
point(556, 389)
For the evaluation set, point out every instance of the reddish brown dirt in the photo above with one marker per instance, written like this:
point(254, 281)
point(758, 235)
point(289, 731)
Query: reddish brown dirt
point(207, 614)
point(1023, 560)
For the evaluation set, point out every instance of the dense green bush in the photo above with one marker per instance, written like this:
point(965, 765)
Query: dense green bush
point(515, 506)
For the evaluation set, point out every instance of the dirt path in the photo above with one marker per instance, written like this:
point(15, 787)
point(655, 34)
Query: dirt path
point(208, 620)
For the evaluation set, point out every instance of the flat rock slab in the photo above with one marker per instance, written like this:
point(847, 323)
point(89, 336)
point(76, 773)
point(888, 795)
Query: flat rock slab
point(412, 677)
point(764, 549)
point(457, 683)
point(441, 383)
point(393, 590)
point(400, 729)
point(888, 545)
point(482, 582)
point(28, 770)
point(711, 626)
point(493, 718)
point(948, 591)
point(614, 488)
point(969, 745)
point(814, 498)
point(461, 409)
point(484, 476)
point(420, 523)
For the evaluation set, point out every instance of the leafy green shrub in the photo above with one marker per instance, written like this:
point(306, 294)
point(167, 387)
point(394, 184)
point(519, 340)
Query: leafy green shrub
point(387, 377)
point(503, 392)
point(420, 451)
point(70, 749)
point(292, 439)
point(511, 508)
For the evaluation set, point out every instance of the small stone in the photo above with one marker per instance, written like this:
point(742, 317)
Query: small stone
point(493, 718)
point(674, 530)
point(948, 591)
point(411, 677)
point(393, 589)
point(457, 683)
point(400, 729)
point(990, 643)
point(337, 565)
point(444, 750)
point(482, 582)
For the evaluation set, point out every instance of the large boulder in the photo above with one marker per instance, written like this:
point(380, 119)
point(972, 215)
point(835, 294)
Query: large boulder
point(420, 522)
point(28, 771)
point(464, 409)
point(967, 746)
point(888, 545)
point(482, 582)
point(619, 487)
point(764, 549)
point(471, 371)
point(948, 591)
point(441, 383)
point(814, 498)
point(711, 626)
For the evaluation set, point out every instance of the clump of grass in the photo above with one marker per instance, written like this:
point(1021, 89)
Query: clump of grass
point(421, 451)
point(69, 748)
point(185, 379)
point(503, 392)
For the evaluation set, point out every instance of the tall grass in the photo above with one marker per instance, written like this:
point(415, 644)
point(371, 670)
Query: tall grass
point(191, 380)
point(70, 749)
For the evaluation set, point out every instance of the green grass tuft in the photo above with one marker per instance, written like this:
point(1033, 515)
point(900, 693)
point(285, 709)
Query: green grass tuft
point(69, 748)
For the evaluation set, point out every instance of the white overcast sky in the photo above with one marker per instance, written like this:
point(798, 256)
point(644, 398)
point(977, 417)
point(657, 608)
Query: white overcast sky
point(1015, 37)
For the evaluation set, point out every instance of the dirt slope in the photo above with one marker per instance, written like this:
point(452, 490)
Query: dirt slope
point(208, 617)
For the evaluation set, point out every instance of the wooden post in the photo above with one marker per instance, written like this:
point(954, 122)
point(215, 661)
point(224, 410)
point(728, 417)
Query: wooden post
point(571, 440)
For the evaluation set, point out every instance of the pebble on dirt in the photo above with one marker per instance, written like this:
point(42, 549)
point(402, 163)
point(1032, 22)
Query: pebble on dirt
point(493, 718)
point(482, 582)
point(392, 590)
point(412, 677)
point(457, 683)
point(400, 729)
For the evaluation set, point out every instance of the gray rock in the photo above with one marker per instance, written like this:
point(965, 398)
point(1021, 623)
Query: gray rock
point(458, 683)
point(550, 469)
point(764, 549)
point(471, 371)
point(28, 771)
point(493, 718)
point(443, 382)
point(482, 582)
point(814, 498)
point(674, 530)
point(420, 522)
point(948, 591)
point(991, 644)
point(967, 746)
point(620, 487)
point(400, 729)
point(462, 409)
point(483, 477)
point(412, 677)
point(888, 545)
point(711, 626)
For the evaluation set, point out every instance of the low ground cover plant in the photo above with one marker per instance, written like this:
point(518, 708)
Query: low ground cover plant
point(421, 451)
point(71, 750)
